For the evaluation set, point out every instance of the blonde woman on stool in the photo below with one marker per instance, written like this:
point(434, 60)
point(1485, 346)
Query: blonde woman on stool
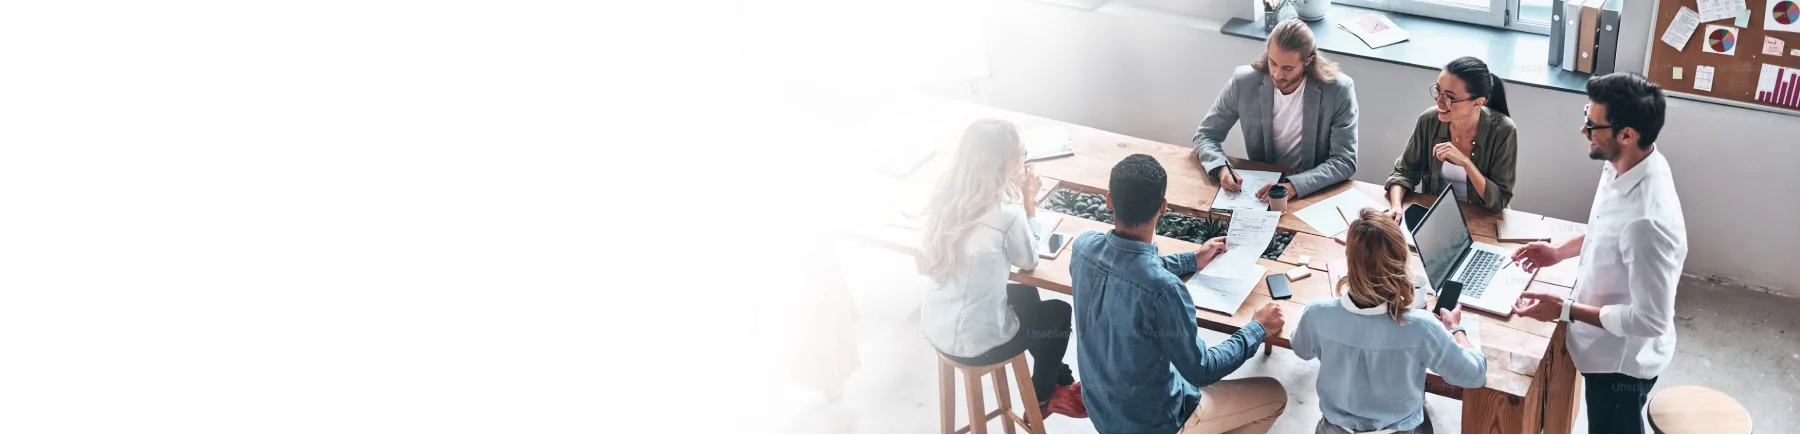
point(983, 222)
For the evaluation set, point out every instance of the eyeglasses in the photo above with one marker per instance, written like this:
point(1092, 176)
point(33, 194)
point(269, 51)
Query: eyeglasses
point(1588, 126)
point(1438, 95)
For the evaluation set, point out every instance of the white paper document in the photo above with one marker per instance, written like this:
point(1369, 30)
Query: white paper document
point(1781, 16)
point(1325, 215)
point(1224, 294)
point(1249, 235)
point(1245, 197)
point(1703, 78)
point(1720, 9)
point(1047, 222)
point(1765, 79)
point(1375, 30)
point(1522, 230)
point(1681, 28)
point(1721, 40)
point(1046, 142)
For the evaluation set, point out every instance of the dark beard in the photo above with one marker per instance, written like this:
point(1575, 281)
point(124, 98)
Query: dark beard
point(1602, 153)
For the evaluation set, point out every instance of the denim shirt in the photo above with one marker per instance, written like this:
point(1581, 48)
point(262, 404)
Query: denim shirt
point(1136, 336)
point(1370, 368)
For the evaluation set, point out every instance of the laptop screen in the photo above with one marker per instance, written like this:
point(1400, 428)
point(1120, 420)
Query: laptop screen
point(1442, 238)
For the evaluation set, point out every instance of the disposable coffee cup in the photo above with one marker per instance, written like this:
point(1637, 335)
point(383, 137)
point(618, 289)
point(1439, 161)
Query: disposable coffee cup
point(1278, 197)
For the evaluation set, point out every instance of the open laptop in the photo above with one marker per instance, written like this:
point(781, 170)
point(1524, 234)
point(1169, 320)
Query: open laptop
point(1450, 254)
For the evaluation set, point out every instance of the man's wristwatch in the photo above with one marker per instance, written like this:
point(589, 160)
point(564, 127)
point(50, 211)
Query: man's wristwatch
point(1565, 310)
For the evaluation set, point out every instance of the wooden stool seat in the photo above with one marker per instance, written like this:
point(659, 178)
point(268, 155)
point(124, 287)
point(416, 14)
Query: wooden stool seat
point(978, 418)
point(1696, 409)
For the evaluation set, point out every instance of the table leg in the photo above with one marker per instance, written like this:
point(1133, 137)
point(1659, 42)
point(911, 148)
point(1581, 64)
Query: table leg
point(1557, 389)
point(1486, 410)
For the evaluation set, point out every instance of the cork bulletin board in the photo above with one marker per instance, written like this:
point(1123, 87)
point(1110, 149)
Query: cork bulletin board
point(1736, 76)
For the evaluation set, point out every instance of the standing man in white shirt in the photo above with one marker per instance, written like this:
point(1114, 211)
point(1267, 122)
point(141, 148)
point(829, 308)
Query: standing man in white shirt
point(1622, 313)
point(1297, 111)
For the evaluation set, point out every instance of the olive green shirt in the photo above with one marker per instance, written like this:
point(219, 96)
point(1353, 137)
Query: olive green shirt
point(1495, 154)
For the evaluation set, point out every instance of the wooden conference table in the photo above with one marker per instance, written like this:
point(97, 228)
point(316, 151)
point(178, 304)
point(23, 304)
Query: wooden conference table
point(1531, 382)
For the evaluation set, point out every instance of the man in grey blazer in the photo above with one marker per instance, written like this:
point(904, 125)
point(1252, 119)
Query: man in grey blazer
point(1298, 112)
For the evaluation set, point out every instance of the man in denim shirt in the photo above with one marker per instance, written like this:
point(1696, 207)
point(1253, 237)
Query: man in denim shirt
point(1144, 367)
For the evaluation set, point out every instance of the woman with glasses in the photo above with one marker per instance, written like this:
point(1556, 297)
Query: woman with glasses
point(1466, 140)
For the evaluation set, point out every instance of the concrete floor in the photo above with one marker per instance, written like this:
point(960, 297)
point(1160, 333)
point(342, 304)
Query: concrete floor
point(1741, 342)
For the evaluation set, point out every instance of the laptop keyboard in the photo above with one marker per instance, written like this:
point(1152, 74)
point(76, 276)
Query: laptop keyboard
point(1481, 269)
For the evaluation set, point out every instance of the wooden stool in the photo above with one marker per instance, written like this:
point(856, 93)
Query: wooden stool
point(1696, 409)
point(1033, 420)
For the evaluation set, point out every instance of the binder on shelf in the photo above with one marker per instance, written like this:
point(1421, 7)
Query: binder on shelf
point(1571, 22)
point(1590, 23)
point(1608, 41)
point(1556, 33)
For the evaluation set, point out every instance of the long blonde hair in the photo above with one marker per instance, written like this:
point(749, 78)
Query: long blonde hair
point(987, 166)
point(1377, 260)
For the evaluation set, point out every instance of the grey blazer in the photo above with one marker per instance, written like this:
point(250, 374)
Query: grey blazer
point(1328, 136)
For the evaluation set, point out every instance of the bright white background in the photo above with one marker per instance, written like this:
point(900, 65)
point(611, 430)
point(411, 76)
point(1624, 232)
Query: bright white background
point(340, 216)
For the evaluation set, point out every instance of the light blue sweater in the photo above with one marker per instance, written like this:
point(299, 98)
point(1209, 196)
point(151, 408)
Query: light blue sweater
point(1372, 370)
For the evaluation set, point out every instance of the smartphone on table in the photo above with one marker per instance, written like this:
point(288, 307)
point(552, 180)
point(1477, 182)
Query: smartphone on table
point(1278, 287)
point(1053, 245)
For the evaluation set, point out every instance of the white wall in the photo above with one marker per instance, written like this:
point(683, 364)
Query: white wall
point(1123, 68)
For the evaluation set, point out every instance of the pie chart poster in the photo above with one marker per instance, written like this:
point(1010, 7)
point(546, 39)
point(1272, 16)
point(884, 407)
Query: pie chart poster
point(1721, 40)
point(1782, 16)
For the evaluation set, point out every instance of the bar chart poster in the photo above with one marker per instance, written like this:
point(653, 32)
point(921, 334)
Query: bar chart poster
point(1779, 86)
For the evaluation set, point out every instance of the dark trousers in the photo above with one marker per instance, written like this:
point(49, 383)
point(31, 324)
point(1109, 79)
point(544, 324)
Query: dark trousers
point(1044, 328)
point(1615, 402)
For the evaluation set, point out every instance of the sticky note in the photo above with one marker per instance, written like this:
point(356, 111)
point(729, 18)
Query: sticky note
point(1677, 73)
point(1794, 52)
point(1772, 46)
point(1743, 18)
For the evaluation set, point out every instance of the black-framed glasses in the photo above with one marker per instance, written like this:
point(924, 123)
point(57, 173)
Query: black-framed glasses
point(1588, 126)
point(1438, 94)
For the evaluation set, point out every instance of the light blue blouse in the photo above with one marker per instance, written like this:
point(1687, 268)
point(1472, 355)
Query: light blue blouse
point(1372, 370)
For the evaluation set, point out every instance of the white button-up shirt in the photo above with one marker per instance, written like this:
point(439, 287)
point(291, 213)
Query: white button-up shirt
point(1631, 261)
point(968, 315)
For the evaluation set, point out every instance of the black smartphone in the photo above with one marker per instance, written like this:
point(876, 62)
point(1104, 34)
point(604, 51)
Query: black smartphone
point(1447, 296)
point(1414, 213)
point(1278, 287)
point(1053, 245)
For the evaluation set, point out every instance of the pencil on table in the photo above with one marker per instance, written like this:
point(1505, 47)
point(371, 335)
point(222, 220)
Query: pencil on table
point(1342, 238)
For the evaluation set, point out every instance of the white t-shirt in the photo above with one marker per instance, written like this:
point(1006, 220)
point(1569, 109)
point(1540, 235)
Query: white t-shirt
point(1290, 109)
point(1458, 179)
